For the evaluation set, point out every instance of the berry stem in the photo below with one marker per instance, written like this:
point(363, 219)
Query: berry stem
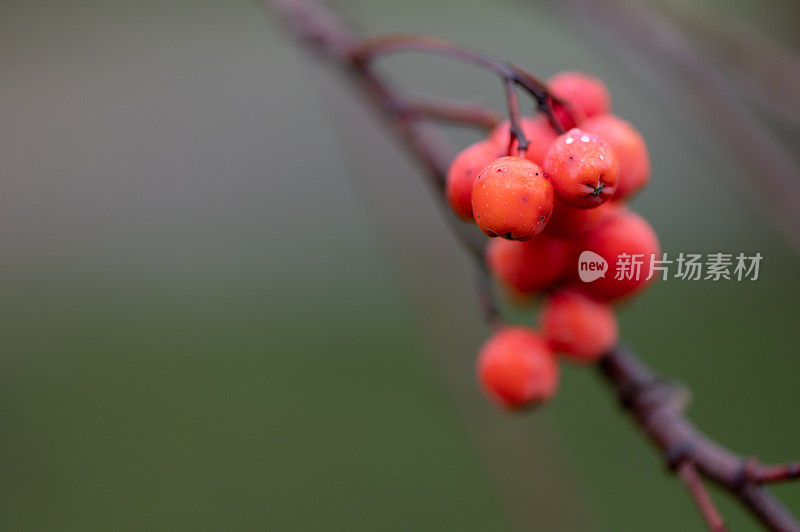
point(652, 401)
point(514, 119)
point(488, 301)
point(370, 49)
point(451, 112)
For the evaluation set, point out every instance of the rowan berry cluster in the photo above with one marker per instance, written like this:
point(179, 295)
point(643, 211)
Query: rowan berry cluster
point(562, 195)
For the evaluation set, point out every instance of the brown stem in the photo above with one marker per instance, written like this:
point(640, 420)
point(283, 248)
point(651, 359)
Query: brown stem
point(655, 404)
point(515, 120)
point(371, 49)
point(451, 112)
point(694, 485)
point(652, 403)
point(765, 474)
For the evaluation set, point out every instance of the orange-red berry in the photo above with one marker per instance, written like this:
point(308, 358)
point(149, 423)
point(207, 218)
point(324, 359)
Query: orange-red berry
point(462, 173)
point(517, 368)
point(586, 95)
point(539, 132)
point(582, 168)
point(628, 244)
point(629, 147)
point(530, 266)
point(577, 326)
point(572, 222)
point(512, 199)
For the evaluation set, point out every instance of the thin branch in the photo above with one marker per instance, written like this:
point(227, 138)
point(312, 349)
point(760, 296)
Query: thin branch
point(370, 49)
point(770, 474)
point(655, 404)
point(451, 112)
point(694, 485)
point(486, 297)
point(652, 402)
point(514, 119)
point(321, 30)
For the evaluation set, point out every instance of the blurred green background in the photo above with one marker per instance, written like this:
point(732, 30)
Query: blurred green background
point(229, 301)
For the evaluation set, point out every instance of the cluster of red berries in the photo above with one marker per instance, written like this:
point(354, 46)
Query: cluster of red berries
point(564, 195)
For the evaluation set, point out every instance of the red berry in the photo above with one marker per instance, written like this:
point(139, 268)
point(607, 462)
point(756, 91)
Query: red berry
point(577, 326)
point(539, 132)
point(530, 266)
point(624, 233)
point(512, 199)
point(517, 368)
point(572, 222)
point(629, 147)
point(586, 95)
point(462, 173)
point(582, 168)
point(566, 117)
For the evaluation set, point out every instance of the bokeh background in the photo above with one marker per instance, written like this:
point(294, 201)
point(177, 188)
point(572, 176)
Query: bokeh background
point(230, 302)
